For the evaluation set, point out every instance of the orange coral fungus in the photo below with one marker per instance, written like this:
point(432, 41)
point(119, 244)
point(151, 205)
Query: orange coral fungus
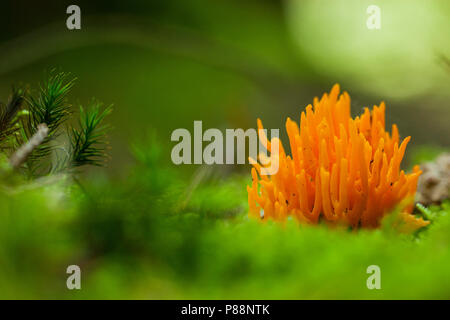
point(345, 170)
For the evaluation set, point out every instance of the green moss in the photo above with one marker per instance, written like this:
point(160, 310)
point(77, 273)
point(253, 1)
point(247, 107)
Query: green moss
point(133, 239)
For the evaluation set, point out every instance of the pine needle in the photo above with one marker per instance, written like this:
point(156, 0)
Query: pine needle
point(88, 145)
point(8, 118)
point(49, 107)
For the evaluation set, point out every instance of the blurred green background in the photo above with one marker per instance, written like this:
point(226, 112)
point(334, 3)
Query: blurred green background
point(137, 230)
point(164, 64)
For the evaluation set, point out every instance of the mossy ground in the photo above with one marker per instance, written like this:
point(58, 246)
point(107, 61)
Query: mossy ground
point(133, 239)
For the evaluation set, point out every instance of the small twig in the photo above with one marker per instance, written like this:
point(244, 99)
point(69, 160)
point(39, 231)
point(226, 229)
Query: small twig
point(21, 155)
point(200, 175)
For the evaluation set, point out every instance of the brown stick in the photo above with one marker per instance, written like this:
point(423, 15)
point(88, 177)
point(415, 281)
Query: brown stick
point(21, 155)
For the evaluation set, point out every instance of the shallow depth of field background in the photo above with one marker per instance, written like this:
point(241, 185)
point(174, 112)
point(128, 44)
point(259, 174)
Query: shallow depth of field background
point(164, 64)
